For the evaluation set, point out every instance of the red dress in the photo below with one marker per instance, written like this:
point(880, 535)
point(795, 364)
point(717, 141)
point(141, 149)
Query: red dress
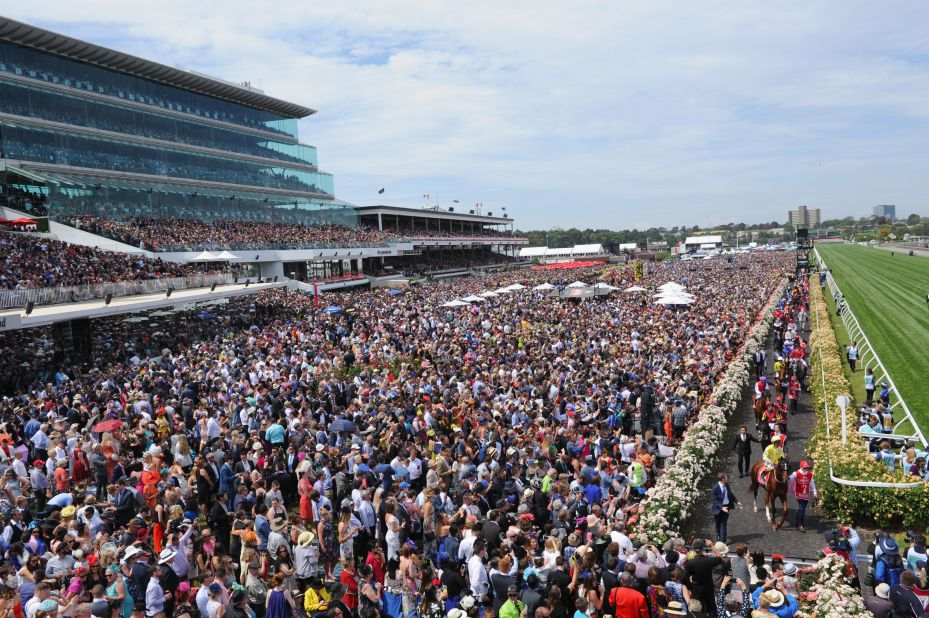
point(305, 488)
point(81, 470)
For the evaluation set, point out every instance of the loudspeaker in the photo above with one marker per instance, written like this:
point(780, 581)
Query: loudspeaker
point(802, 232)
point(29, 307)
point(108, 299)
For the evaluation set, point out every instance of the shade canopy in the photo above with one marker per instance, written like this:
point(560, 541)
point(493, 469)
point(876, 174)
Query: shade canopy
point(605, 287)
point(488, 294)
point(544, 286)
point(635, 288)
point(473, 299)
point(516, 287)
point(674, 300)
point(670, 285)
point(204, 256)
point(577, 284)
point(225, 255)
point(455, 303)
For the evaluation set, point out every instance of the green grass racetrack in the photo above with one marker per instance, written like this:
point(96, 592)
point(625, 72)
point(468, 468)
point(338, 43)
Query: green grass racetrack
point(887, 293)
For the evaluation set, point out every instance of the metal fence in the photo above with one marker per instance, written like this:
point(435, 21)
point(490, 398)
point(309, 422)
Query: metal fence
point(10, 299)
point(869, 359)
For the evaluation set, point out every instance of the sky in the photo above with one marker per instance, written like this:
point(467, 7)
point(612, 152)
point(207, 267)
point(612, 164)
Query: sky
point(603, 114)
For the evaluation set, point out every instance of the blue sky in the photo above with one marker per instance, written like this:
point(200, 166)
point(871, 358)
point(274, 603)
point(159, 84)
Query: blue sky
point(589, 114)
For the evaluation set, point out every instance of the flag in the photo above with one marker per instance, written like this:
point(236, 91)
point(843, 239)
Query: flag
point(381, 191)
point(456, 201)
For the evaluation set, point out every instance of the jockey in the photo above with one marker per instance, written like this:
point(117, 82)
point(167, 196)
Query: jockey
point(778, 365)
point(770, 415)
point(761, 386)
point(771, 456)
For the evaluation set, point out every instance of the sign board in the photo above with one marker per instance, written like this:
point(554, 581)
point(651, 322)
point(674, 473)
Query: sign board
point(10, 321)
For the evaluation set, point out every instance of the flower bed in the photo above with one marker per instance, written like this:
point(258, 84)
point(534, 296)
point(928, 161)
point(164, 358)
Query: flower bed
point(668, 504)
point(824, 591)
point(882, 507)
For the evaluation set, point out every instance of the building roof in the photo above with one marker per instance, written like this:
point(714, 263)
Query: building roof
point(703, 240)
point(576, 250)
point(26, 35)
point(441, 213)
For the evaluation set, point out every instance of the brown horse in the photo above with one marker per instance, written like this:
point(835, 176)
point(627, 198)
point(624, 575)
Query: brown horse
point(775, 489)
point(760, 404)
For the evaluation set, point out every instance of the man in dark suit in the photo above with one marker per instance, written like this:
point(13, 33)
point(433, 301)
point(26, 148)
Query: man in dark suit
point(743, 450)
point(698, 574)
point(723, 500)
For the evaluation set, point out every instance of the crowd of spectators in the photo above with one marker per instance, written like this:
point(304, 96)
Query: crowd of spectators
point(33, 204)
point(189, 234)
point(28, 261)
point(376, 453)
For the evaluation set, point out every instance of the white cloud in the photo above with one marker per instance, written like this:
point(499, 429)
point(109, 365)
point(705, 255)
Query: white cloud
point(591, 113)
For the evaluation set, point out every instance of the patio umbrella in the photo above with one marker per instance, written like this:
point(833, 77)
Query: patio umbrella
point(674, 300)
point(225, 255)
point(577, 284)
point(107, 425)
point(544, 286)
point(516, 287)
point(332, 309)
point(342, 426)
point(21, 221)
point(503, 291)
point(488, 294)
point(670, 285)
point(203, 256)
point(455, 303)
point(474, 299)
point(635, 288)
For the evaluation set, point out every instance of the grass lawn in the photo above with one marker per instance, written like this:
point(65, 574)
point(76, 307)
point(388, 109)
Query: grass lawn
point(888, 295)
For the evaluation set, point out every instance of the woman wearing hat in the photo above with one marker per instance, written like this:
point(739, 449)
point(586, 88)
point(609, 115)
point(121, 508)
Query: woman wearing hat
point(117, 592)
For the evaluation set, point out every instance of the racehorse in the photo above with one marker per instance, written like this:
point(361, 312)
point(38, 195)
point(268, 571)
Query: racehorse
point(775, 489)
point(761, 403)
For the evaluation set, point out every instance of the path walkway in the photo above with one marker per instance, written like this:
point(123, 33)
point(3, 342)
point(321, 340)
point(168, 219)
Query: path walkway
point(746, 526)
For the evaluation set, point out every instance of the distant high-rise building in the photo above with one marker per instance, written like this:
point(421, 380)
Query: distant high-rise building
point(886, 210)
point(803, 217)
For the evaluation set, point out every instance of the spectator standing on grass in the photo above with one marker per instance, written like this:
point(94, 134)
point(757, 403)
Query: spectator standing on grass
point(851, 352)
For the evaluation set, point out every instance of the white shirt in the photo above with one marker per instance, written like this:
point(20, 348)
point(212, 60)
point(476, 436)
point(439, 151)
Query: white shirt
point(466, 547)
point(480, 582)
point(625, 544)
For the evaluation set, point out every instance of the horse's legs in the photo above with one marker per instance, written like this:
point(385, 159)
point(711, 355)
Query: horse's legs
point(754, 491)
point(784, 516)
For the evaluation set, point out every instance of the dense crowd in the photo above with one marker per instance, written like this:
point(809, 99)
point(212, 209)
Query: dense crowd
point(178, 234)
point(28, 261)
point(382, 456)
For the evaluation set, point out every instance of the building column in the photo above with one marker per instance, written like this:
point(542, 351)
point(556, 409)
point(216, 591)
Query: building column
point(380, 222)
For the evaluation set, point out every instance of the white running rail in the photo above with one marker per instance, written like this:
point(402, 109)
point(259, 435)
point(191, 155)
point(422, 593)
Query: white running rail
point(837, 479)
point(869, 358)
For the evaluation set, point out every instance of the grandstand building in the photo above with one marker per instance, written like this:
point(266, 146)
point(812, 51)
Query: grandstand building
point(99, 146)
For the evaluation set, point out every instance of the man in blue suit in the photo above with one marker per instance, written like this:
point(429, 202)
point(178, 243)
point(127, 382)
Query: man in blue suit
point(723, 500)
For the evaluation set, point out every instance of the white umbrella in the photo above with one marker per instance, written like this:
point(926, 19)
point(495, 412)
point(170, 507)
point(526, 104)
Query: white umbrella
point(605, 286)
point(544, 286)
point(503, 290)
point(225, 255)
point(577, 284)
point(674, 300)
point(516, 287)
point(474, 299)
point(455, 303)
point(203, 256)
point(675, 295)
point(488, 294)
point(635, 288)
point(670, 285)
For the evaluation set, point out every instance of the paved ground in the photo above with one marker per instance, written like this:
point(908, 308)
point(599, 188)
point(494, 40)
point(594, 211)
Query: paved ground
point(746, 526)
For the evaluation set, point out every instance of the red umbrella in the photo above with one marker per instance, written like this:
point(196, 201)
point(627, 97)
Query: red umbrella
point(22, 221)
point(108, 425)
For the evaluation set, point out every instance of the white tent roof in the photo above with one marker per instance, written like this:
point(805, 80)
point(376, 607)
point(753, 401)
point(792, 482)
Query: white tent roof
point(488, 294)
point(225, 255)
point(577, 284)
point(516, 286)
point(544, 286)
point(473, 299)
point(636, 288)
point(673, 300)
point(674, 295)
point(670, 285)
point(603, 285)
point(503, 291)
point(203, 256)
point(455, 303)
point(701, 240)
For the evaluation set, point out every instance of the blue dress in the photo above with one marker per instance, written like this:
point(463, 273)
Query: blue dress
point(277, 605)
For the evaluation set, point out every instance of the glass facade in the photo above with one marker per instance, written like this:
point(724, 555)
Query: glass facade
point(214, 160)
point(36, 102)
point(56, 70)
